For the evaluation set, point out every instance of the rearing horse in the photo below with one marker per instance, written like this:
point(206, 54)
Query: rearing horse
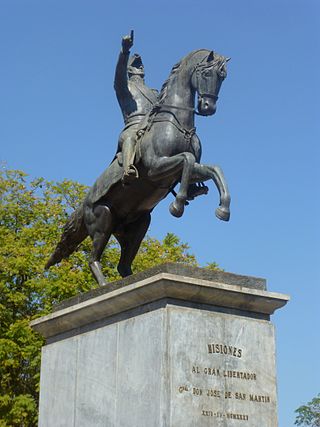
point(168, 152)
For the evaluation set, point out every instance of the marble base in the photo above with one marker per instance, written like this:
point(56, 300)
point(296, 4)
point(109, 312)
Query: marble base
point(165, 351)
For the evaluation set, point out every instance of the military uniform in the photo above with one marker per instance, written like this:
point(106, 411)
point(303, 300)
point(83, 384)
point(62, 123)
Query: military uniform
point(135, 100)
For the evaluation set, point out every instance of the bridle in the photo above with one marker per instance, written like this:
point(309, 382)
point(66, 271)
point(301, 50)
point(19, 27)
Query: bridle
point(166, 108)
point(198, 69)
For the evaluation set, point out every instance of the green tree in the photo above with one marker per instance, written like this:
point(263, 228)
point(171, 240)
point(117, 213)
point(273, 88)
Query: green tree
point(309, 414)
point(32, 213)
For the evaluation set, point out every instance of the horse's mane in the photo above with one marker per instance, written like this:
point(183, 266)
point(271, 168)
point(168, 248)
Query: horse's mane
point(175, 70)
point(164, 88)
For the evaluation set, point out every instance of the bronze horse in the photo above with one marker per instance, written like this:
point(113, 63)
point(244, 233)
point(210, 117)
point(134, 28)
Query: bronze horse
point(168, 152)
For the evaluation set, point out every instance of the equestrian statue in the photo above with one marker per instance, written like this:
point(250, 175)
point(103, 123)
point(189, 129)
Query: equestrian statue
point(157, 150)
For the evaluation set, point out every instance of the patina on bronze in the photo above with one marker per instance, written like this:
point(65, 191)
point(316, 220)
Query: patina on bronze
point(136, 100)
point(163, 150)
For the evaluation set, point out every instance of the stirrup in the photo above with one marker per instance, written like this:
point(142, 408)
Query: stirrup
point(131, 174)
point(196, 190)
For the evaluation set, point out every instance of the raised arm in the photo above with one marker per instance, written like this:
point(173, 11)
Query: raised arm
point(121, 75)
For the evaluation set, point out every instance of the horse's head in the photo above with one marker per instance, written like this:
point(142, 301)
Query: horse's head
point(206, 80)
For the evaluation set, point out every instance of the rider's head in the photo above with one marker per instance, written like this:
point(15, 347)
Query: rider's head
point(135, 66)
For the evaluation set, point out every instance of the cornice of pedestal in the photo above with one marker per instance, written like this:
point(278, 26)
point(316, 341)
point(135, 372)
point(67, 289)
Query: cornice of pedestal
point(162, 285)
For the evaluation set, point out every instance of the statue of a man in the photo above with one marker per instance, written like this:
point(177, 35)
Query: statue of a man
point(135, 100)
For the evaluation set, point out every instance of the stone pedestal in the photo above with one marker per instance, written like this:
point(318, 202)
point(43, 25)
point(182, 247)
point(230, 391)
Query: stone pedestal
point(173, 347)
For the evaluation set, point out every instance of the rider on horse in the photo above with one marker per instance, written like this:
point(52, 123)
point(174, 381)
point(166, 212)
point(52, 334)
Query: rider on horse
point(136, 101)
point(169, 153)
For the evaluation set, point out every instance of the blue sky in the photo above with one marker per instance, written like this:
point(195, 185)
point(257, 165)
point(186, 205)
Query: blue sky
point(59, 118)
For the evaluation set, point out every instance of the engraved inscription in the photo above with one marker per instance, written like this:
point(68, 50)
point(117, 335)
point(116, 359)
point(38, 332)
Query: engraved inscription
point(197, 391)
point(225, 350)
point(213, 393)
point(218, 372)
point(226, 394)
point(260, 399)
point(240, 375)
point(225, 387)
point(228, 415)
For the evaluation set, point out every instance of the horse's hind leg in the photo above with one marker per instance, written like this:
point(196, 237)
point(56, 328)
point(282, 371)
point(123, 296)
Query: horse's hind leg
point(205, 172)
point(130, 239)
point(99, 223)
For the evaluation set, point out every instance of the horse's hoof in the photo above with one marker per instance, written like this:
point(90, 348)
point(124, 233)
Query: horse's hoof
point(175, 210)
point(223, 214)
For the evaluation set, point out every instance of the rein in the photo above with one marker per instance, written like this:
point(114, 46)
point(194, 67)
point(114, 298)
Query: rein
point(157, 108)
point(162, 107)
point(188, 133)
point(197, 69)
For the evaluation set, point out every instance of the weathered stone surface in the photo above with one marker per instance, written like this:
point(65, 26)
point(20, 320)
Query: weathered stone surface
point(114, 376)
point(201, 358)
point(210, 388)
point(159, 286)
point(172, 268)
point(96, 366)
point(57, 385)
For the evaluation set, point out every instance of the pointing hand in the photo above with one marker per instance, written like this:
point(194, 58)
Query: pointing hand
point(127, 42)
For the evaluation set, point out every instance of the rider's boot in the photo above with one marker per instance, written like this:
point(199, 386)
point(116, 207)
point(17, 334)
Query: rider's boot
point(130, 174)
point(130, 171)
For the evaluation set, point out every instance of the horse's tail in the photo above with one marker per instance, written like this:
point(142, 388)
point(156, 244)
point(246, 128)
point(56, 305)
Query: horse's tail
point(74, 232)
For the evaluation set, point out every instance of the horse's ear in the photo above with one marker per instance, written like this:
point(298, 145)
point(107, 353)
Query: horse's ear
point(211, 56)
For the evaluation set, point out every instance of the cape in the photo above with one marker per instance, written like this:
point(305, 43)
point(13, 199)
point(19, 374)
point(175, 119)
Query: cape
point(111, 176)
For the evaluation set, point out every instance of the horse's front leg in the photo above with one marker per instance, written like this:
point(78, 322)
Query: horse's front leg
point(205, 172)
point(166, 167)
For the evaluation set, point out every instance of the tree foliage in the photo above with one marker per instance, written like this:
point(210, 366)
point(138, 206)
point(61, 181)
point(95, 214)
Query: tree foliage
point(309, 414)
point(32, 213)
